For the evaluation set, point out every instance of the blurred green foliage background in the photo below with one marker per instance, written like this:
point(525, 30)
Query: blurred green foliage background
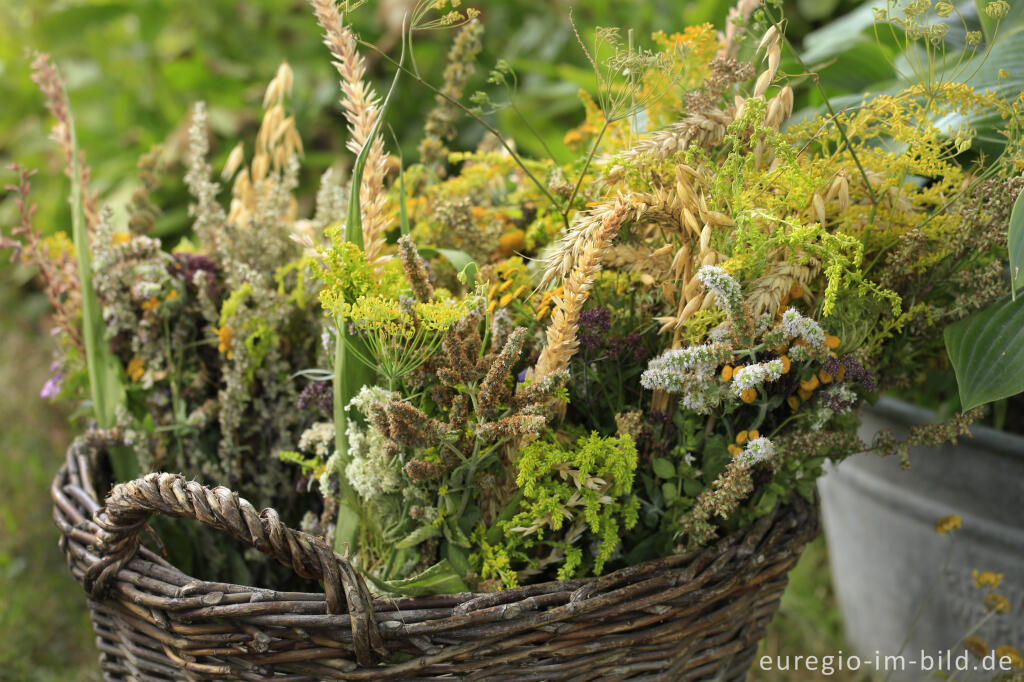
point(133, 69)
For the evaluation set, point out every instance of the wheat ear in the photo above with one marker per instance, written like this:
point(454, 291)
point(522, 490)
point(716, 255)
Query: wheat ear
point(362, 106)
point(601, 226)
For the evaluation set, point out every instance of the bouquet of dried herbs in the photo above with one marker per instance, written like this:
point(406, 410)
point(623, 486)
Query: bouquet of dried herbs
point(482, 370)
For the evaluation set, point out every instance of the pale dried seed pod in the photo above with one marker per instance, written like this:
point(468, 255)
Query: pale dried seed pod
point(770, 39)
point(692, 306)
point(705, 239)
point(719, 219)
point(786, 97)
point(833, 189)
point(691, 288)
point(774, 57)
point(819, 207)
point(763, 81)
point(234, 161)
point(679, 262)
point(773, 117)
point(691, 222)
point(709, 258)
point(260, 167)
point(668, 290)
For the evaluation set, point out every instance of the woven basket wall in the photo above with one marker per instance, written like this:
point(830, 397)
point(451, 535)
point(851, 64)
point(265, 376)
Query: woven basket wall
point(697, 616)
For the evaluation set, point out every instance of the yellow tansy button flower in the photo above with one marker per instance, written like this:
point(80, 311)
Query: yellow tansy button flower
point(986, 579)
point(948, 524)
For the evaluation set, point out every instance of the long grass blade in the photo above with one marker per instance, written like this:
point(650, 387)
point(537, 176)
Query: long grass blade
point(105, 387)
point(350, 375)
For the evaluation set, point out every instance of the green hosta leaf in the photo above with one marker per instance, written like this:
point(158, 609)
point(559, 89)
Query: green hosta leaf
point(1014, 18)
point(663, 468)
point(441, 578)
point(987, 352)
point(1016, 243)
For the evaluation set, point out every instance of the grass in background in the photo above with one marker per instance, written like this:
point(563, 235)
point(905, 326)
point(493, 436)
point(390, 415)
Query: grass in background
point(44, 625)
point(808, 623)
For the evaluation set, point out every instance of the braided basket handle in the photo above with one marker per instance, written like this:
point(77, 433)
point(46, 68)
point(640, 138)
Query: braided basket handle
point(129, 505)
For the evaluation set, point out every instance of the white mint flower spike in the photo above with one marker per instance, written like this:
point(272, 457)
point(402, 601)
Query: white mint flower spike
point(758, 450)
point(756, 374)
point(795, 325)
point(726, 288)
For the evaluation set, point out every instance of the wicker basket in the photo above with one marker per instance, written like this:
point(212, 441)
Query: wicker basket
point(687, 617)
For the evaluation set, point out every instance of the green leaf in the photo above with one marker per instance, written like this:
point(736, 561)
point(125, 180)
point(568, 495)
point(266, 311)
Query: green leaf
point(1016, 243)
point(987, 352)
point(663, 468)
point(441, 578)
point(454, 534)
point(458, 558)
point(692, 487)
point(670, 492)
point(105, 387)
point(460, 260)
point(417, 536)
point(494, 533)
point(766, 503)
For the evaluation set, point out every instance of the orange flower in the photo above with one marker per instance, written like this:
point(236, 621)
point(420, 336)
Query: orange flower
point(825, 377)
point(753, 433)
point(151, 304)
point(810, 384)
point(748, 395)
point(786, 363)
point(734, 451)
point(832, 341)
point(793, 402)
point(741, 437)
point(727, 373)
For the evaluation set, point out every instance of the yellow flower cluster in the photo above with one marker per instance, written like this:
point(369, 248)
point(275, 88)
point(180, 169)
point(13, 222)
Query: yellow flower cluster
point(389, 316)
